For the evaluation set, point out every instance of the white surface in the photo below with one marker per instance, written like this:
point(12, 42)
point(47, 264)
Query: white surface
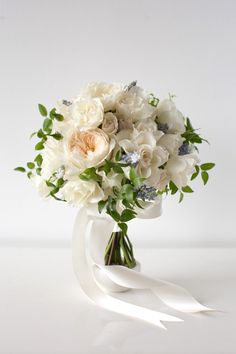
point(50, 48)
point(44, 311)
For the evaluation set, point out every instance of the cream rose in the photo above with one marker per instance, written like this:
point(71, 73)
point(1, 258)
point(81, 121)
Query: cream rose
point(180, 168)
point(110, 123)
point(107, 93)
point(86, 112)
point(78, 192)
point(53, 157)
point(88, 148)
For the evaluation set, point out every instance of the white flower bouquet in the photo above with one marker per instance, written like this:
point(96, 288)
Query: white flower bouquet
point(117, 147)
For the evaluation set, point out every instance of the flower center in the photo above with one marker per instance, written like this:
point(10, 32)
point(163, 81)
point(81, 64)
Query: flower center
point(82, 141)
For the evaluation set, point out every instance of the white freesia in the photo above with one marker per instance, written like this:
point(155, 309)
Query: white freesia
point(110, 123)
point(180, 168)
point(134, 104)
point(86, 112)
point(107, 93)
point(167, 113)
point(88, 148)
point(78, 192)
point(171, 142)
point(53, 157)
point(41, 186)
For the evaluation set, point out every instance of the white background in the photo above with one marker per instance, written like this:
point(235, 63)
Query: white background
point(49, 49)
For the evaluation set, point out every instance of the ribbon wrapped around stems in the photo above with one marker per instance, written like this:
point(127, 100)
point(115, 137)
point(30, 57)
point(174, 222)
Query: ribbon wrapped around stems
point(90, 236)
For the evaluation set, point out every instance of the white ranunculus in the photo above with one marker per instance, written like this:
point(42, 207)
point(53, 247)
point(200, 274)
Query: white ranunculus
point(149, 125)
point(78, 192)
point(107, 93)
point(134, 104)
point(110, 123)
point(167, 113)
point(180, 168)
point(41, 186)
point(87, 112)
point(88, 148)
point(171, 142)
point(53, 157)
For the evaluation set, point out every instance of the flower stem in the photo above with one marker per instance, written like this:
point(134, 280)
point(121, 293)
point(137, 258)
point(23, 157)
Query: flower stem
point(119, 250)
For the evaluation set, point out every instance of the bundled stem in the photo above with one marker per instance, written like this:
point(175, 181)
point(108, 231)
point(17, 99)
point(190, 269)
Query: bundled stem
point(119, 250)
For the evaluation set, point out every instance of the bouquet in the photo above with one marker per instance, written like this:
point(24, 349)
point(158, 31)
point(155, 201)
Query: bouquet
point(119, 148)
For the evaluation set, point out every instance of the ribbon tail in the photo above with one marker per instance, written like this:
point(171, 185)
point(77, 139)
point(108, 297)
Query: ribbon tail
point(90, 288)
point(172, 295)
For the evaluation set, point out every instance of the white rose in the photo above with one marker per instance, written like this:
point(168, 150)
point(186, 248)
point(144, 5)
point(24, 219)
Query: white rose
point(164, 179)
point(160, 156)
point(134, 104)
point(124, 123)
point(88, 148)
point(110, 123)
point(180, 168)
point(53, 157)
point(107, 93)
point(171, 142)
point(167, 113)
point(78, 192)
point(86, 112)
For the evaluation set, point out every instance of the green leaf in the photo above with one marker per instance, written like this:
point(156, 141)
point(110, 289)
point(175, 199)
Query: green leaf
point(39, 146)
point(123, 227)
point(47, 125)
point(187, 189)
point(117, 169)
point(90, 174)
point(20, 169)
point(207, 166)
point(38, 171)
point(33, 134)
point(30, 165)
point(173, 187)
point(43, 111)
point(101, 205)
point(115, 215)
point(60, 182)
point(181, 197)
point(54, 115)
point(40, 134)
point(118, 155)
point(132, 174)
point(50, 184)
point(195, 174)
point(57, 136)
point(29, 174)
point(205, 177)
point(127, 215)
point(38, 159)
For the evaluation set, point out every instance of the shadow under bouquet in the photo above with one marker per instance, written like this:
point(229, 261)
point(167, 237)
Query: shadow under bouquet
point(119, 148)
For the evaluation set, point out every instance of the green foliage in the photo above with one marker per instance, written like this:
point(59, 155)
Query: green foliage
point(196, 173)
point(90, 174)
point(38, 159)
point(39, 146)
point(190, 134)
point(205, 177)
point(207, 166)
point(20, 169)
point(153, 101)
point(181, 197)
point(47, 125)
point(187, 189)
point(173, 187)
point(30, 165)
point(42, 110)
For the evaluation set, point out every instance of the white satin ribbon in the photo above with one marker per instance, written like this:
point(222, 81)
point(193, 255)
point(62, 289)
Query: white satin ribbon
point(90, 237)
